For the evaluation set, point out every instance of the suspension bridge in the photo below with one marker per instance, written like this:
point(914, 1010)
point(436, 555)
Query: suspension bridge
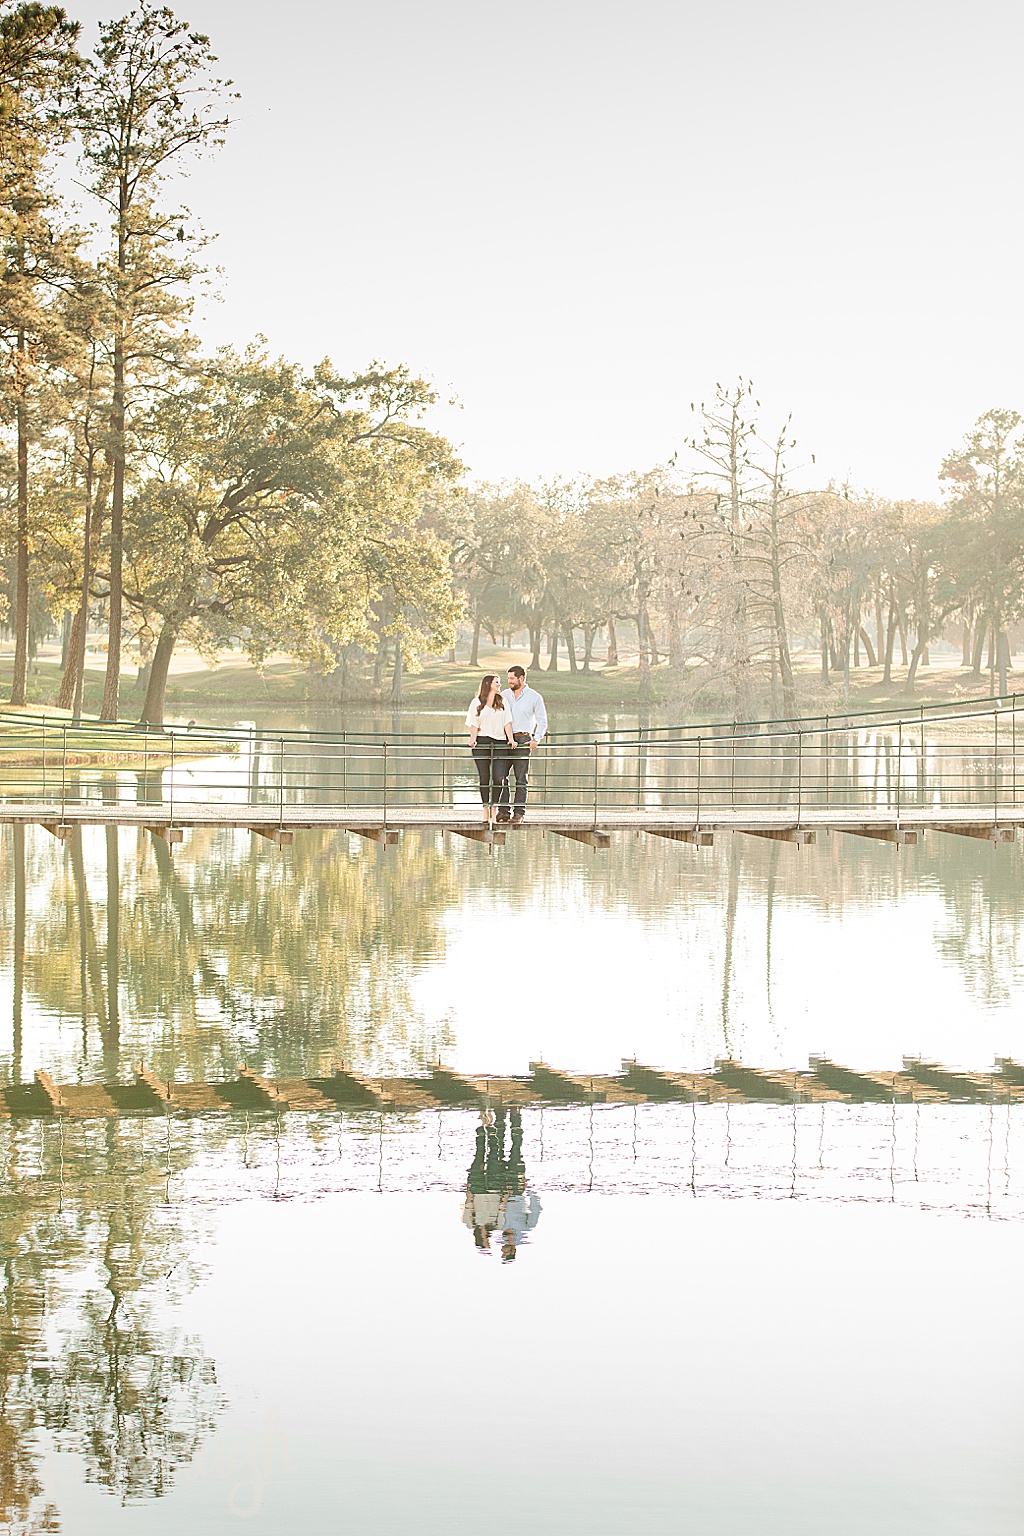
point(888, 776)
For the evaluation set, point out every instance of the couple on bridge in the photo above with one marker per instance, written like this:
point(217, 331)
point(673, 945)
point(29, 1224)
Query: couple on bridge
point(505, 726)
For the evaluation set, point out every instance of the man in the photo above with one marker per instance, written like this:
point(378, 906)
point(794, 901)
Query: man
point(529, 726)
point(522, 1207)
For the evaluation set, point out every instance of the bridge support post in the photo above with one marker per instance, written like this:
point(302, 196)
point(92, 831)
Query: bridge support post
point(901, 835)
point(385, 835)
point(695, 837)
point(61, 830)
point(801, 836)
point(169, 834)
point(987, 834)
point(279, 836)
point(592, 838)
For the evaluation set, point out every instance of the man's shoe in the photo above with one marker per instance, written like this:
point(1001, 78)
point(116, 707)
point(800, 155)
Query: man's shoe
point(503, 816)
point(517, 819)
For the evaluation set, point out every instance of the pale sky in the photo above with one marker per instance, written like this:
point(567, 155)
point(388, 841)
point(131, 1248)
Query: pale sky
point(576, 215)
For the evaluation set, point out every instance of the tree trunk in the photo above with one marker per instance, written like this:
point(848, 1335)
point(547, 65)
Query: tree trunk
point(823, 621)
point(474, 650)
point(869, 648)
point(553, 650)
point(153, 708)
point(112, 680)
point(1003, 652)
point(783, 654)
point(835, 650)
point(339, 676)
point(535, 639)
point(902, 630)
point(979, 648)
point(965, 645)
point(379, 660)
point(19, 684)
point(396, 676)
point(570, 646)
point(612, 659)
point(87, 561)
point(856, 643)
point(890, 640)
point(918, 652)
point(643, 641)
point(589, 631)
point(73, 662)
point(675, 644)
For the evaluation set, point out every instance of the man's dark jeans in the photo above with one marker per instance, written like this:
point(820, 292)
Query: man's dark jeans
point(519, 764)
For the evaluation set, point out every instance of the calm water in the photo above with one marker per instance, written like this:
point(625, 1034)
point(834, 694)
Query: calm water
point(741, 1319)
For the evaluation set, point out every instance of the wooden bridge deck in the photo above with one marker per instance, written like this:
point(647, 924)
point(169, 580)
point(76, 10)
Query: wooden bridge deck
point(730, 1082)
point(995, 822)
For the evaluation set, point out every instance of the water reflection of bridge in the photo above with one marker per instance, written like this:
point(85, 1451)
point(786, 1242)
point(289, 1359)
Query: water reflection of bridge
point(919, 1082)
point(952, 769)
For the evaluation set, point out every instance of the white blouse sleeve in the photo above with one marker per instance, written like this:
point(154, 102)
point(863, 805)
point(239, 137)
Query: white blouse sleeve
point(472, 718)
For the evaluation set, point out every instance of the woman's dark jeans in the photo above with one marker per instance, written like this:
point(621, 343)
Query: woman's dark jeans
point(491, 758)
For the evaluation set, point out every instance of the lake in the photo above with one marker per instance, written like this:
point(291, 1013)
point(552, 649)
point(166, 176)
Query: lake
point(709, 1317)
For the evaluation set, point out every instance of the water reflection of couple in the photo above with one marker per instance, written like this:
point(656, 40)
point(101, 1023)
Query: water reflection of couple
point(505, 725)
point(496, 1195)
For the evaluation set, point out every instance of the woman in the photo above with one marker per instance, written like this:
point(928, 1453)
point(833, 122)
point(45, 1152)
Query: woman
point(490, 740)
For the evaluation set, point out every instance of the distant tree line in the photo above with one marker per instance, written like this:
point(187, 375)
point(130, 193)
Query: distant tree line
point(723, 563)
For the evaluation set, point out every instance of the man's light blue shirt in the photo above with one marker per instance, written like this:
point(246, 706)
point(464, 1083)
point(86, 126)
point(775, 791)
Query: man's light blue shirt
point(528, 712)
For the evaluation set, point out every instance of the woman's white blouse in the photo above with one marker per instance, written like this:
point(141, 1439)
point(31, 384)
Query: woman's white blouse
point(489, 722)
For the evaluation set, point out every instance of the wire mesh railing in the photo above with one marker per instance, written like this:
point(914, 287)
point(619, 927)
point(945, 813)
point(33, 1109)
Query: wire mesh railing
point(955, 758)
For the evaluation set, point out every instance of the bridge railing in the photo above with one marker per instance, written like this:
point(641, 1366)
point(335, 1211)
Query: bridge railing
point(957, 759)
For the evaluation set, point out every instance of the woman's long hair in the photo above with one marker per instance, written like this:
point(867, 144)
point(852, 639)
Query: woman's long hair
point(484, 696)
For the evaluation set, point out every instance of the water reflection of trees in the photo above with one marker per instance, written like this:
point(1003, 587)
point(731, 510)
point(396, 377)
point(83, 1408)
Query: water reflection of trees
point(979, 887)
point(92, 1259)
point(296, 960)
point(232, 950)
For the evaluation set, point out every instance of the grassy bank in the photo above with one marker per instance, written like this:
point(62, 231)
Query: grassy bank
point(439, 685)
point(236, 685)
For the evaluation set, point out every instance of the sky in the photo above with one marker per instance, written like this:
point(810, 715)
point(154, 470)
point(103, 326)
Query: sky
point(576, 216)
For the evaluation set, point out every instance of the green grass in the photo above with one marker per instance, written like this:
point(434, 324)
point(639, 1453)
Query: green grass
point(439, 684)
point(446, 685)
